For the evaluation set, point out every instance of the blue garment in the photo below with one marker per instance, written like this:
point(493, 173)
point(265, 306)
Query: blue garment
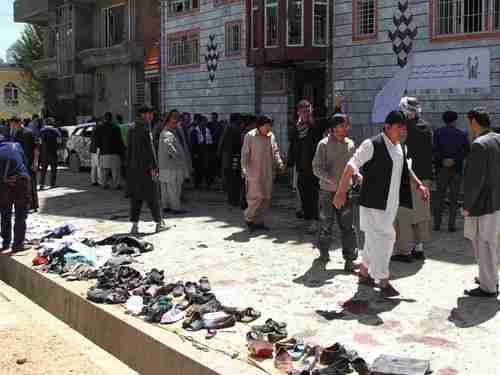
point(451, 143)
point(13, 154)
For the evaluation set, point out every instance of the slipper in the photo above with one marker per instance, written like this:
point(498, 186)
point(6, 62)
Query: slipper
point(286, 344)
point(298, 350)
point(178, 290)
point(261, 349)
point(283, 361)
point(210, 334)
point(172, 316)
point(248, 315)
point(205, 284)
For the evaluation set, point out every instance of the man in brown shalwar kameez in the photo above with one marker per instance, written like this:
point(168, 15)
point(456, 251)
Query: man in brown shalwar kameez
point(259, 158)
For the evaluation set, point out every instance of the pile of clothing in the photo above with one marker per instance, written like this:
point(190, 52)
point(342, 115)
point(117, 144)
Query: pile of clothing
point(83, 260)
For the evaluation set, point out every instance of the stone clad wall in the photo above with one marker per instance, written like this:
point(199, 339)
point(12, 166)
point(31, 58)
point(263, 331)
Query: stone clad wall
point(188, 89)
point(362, 68)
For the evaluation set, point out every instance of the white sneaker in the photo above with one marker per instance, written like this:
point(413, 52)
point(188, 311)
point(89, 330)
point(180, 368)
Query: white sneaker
point(135, 228)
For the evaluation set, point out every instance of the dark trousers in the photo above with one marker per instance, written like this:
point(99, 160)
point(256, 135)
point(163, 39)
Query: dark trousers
point(345, 221)
point(34, 191)
point(447, 179)
point(309, 195)
point(233, 186)
point(136, 207)
point(53, 172)
point(17, 197)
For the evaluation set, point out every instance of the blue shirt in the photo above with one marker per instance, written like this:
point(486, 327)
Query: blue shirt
point(12, 158)
point(451, 143)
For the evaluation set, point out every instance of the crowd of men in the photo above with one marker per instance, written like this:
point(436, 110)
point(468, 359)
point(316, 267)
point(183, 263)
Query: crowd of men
point(390, 174)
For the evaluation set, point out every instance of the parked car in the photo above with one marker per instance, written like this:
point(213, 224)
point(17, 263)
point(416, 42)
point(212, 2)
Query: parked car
point(78, 145)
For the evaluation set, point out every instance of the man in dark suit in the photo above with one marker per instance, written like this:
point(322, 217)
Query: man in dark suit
point(482, 201)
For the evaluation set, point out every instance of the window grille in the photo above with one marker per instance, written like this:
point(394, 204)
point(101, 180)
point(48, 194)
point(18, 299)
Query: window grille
point(320, 25)
point(271, 19)
point(295, 22)
point(233, 38)
point(184, 50)
point(365, 10)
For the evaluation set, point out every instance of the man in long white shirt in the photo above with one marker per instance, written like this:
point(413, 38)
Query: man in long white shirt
point(386, 186)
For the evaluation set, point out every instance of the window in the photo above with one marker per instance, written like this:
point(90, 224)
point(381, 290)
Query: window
point(233, 38)
point(365, 17)
point(64, 41)
point(320, 24)
point(253, 20)
point(101, 86)
point(466, 16)
point(113, 25)
point(10, 94)
point(271, 19)
point(184, 50)
point(295, 23)
point(176, 7)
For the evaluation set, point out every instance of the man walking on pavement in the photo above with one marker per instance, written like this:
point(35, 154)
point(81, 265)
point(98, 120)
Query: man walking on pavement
point(95, 164)
point(386, 185)
point(51, 141)
point(303, 143)
point(15, 194)
point(451, 147)
point(142, 171)
point(31, 148)
point(259, 157)
point(482, 202)
point(110, 145)
point(413, 227)
point(329, 163)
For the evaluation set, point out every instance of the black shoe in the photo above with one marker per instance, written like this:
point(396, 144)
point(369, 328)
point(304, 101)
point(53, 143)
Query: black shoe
point(478, 292)
point(419, 255)
point(452, 229)
point(95, 184)
point(402, 258)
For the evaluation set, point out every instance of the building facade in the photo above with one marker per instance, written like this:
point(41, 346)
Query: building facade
point(12, 102)
point(95, 54)
point(447, 51)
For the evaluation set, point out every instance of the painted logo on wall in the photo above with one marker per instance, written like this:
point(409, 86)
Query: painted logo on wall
point(403, 33)
point(212, 57)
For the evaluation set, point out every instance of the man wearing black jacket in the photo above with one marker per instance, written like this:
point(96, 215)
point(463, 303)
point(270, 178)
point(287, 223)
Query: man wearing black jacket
point(111, 148)
point(303, 143)
point(482, 202)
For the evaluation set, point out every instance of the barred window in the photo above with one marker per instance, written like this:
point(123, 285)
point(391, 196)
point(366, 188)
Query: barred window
point(271, 18)
point(365, 17)
point(184, 50)
point(320, 24)
point(10, 94)
point(176, 7)
point(465, 16)
point(233, 38)
point(253, 20)
point(295, 10)
point(113, 25)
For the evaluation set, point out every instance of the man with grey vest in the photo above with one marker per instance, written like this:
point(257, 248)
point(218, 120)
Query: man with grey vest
point(482, 202)
point(328, 164)
point(386, 185)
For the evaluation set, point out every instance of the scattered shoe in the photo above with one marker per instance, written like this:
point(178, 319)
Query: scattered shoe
point(332, 354)
point(173, 316)
point(205, 284)
point(283, 361)
point(135, 305)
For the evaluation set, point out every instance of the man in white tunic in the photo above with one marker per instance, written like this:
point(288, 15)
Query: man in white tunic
point(259, 157)
point(381, 163)
point(482, 202)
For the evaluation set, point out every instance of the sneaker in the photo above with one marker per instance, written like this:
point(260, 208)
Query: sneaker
point(135, 228)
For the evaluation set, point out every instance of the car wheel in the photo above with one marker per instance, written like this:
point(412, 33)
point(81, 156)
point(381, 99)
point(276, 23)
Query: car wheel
point(74, 163)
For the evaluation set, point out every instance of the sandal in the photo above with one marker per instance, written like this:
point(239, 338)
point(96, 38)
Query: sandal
point(205, 284)
point(248, 315)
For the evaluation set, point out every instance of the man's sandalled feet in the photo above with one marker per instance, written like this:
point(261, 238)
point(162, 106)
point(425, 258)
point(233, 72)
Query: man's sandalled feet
point(135, 228)
point(403, 258)
point(478, 292)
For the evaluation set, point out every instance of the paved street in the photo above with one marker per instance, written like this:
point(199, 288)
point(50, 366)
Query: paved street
point(35, 343)
point(277, 274)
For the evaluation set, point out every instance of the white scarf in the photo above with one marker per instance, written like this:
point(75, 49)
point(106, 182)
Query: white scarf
point(204, 138)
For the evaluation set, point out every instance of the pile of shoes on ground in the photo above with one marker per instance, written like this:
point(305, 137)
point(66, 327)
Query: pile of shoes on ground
point(294, 357)
point(166, 303)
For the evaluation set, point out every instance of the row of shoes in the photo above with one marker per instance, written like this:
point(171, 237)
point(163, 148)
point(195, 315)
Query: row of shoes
point(260, 338)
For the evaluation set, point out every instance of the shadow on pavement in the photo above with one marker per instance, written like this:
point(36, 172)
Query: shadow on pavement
point(318, 275)
point(474, 311)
